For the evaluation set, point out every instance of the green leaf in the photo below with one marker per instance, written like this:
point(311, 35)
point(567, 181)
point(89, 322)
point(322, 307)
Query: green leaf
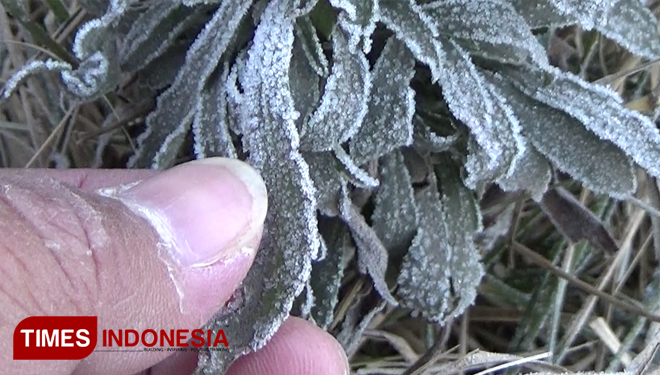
point(395, 211)
point(311, 45)
point(209, 127)
point(494, 22)
point(175, 108)
point(601, 111)
point(358, 19)
point(416, 29)
point(282, 265)
point(572, 148)
point(490, 119)
point(327, 274)
point(388, 123)
point(344, 101)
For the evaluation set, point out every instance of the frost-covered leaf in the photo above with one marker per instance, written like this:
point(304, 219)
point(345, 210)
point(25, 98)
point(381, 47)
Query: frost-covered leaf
point(311, 45)
point(426, 140)
point(634, 27)
point(210, 130)
point(304, 84)
point(491, 121)
point(417, 165)
point(154, 31)
point(425, 273)
point(325, 172)
point(575, 221)
point(416, 29)
point(388, 124)
point(395, 211)
point(494, 22)
point(327, 274)
point(352, 331)
point(442, 269)
point(462, 218)
point(358, 18)
point(234, 94)
point(532, 174)
point(497, 228)
point(29, 69)
point(160, 143)
point(572, 148)
point(541, 13)
point(372, 255)
point(283, 264)
point(627, 22)
point(599, 109)
point(344, 101)
point(358, 176)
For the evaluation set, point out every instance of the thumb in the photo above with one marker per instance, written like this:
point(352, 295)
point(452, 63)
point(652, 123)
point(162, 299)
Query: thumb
point(162, 253)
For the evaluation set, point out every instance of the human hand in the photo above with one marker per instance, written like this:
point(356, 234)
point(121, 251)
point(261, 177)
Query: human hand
point(164, 252)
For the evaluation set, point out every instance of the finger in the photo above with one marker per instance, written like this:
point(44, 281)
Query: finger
point(88, 179)
point(298, 348)
point(163, 254)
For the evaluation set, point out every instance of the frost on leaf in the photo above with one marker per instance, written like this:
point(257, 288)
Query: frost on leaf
point(234, 94)
point(29, 69)
point(416, 29)
point(572, 148)
point(325, 172)
point(212, 137)
point(304, 84)
point(372, 255)
point(425, 140)
point(388, 124)
point(344, 101)
point(327, 274)
point(283, 264)
point(490, 120)
point(629, 23)
point(358, 176)
point(155, 30)
point(311, 45)
point(358, 19)
point(355, 323)
point(599, 109)
point(462, 219)
point(541, 13)
point(634, 27)
point(494, 22)
point(395, 211)
point(168, 123)
point(532, 174)
point(425, 272)
point(442, 269)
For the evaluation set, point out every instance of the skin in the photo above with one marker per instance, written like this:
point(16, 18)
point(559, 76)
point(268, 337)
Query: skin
point(140, 258)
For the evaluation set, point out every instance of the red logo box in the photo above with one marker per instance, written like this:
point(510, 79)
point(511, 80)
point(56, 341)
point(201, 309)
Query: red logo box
point(55, 337)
